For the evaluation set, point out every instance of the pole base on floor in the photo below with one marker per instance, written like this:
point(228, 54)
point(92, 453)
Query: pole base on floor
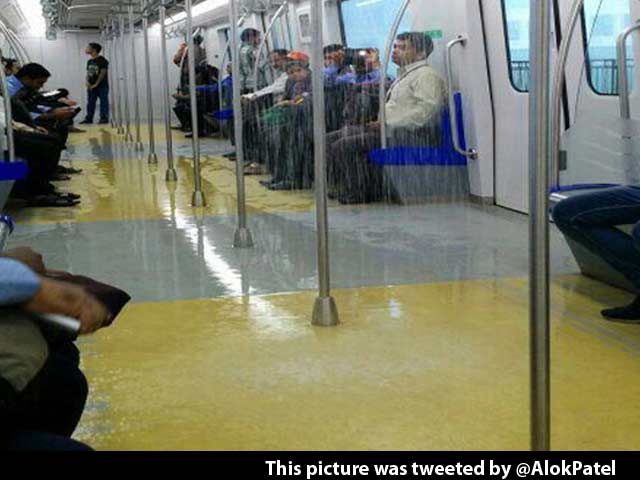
point(139, 146)
point(120, 131)
point(325, 312)
point(113, 124)
point(242, 238)
point(128, 137)
point(172, 175)
point(152, 159)
point(198, 200)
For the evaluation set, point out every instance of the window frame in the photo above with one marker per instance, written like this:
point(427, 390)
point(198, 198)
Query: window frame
point(505, 31)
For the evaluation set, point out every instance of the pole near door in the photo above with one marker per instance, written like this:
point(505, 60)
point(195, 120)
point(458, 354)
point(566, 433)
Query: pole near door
point(242, 237)
point(171, 175)
point(325, 311)
point(539, 156)
point(153, 158)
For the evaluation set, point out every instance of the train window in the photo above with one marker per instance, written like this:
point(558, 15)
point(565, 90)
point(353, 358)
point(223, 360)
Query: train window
point(603, 23)
point(516, 19)
point(366, 23)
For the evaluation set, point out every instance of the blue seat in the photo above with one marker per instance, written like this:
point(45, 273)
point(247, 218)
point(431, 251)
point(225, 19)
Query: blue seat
point(443, 155)
point(417, 173)
point(9, 173)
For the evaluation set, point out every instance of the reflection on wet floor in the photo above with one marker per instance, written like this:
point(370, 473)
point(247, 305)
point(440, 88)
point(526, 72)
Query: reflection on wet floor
point(217, 352)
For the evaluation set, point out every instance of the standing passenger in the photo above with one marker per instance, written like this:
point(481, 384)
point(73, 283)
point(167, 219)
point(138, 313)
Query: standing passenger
point(248, 57)
point(97, 84)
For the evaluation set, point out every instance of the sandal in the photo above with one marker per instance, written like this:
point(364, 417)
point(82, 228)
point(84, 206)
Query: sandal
point(253, 169)
point(67, 170)
point(51, 201)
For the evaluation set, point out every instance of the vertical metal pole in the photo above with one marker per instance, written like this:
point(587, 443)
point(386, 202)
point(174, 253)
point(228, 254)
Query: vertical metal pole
point(134, 70)
point(198, 199)
point(242, 237)
point(115, 61)
point(171, 175)
point(539, 155)
point(125, 82)
point(111, 73)
point(558, 87)
point(623, 80)
point(385, 68)
point(289, 34)
point(325, 311)
point(153, 158)
point(8, 114)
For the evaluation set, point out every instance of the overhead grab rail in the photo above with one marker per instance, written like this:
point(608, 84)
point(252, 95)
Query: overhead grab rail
point(623, 80)
point(453, 118)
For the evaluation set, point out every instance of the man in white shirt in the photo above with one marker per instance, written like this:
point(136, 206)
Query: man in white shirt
point(278, 60)
point(414, 103)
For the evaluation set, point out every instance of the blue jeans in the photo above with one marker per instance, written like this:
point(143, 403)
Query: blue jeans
point(101, 93)
point(591, 220)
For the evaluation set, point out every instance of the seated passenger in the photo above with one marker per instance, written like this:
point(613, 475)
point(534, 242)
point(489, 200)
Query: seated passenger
point(291, 125)
point(591, 220)
point(207, 101)
point(278, 59)
point(11, 66)
point(414, 104)
point(26, 85)
point(42, 389)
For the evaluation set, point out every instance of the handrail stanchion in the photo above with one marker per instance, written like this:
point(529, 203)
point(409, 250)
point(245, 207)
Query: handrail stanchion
point(110, 73)
point(8, 116)
point(125, 81)
point(385, 68)
point(117, 72)
point(134, 71)
point(623, 80)
point(263, 43)
point(539, 149)
point(171, 175)
point(198, 199)
point(558, 87)
point(223, 62)
point(153, 158)
point(325, 311)
point(453, 116)
point(242, 237)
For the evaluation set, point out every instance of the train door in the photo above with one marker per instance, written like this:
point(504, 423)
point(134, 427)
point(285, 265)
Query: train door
point(508, 51)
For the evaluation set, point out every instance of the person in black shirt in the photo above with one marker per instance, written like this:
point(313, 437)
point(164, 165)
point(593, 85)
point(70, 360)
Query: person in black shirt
point(97, 84)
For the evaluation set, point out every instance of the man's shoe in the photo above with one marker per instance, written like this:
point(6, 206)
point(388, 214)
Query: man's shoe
point(104, 122)
point(73, 129)
point(629, 314)
point(86, 122)
point(281, 186)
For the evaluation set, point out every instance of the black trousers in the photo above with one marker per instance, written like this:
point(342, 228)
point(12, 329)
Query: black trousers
point(47, 412)
point(42, 154)
point(350, 173)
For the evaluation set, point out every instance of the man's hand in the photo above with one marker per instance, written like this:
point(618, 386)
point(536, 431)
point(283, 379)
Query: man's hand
point(68, 102)
point(42, 130)
point(374, 125)
point(27, 256)
point(62, 113)
point(69, 300)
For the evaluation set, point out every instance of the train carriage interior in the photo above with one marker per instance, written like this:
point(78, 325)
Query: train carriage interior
point(314, 220)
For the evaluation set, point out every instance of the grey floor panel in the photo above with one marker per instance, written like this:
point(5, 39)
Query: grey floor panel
point(186, 258)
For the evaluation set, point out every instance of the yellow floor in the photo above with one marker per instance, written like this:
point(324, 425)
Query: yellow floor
point(440, 366)
point(434, 366)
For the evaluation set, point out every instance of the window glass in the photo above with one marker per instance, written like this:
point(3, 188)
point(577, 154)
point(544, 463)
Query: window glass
point(367, 22)
point(516, 13)
point(604, 21)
